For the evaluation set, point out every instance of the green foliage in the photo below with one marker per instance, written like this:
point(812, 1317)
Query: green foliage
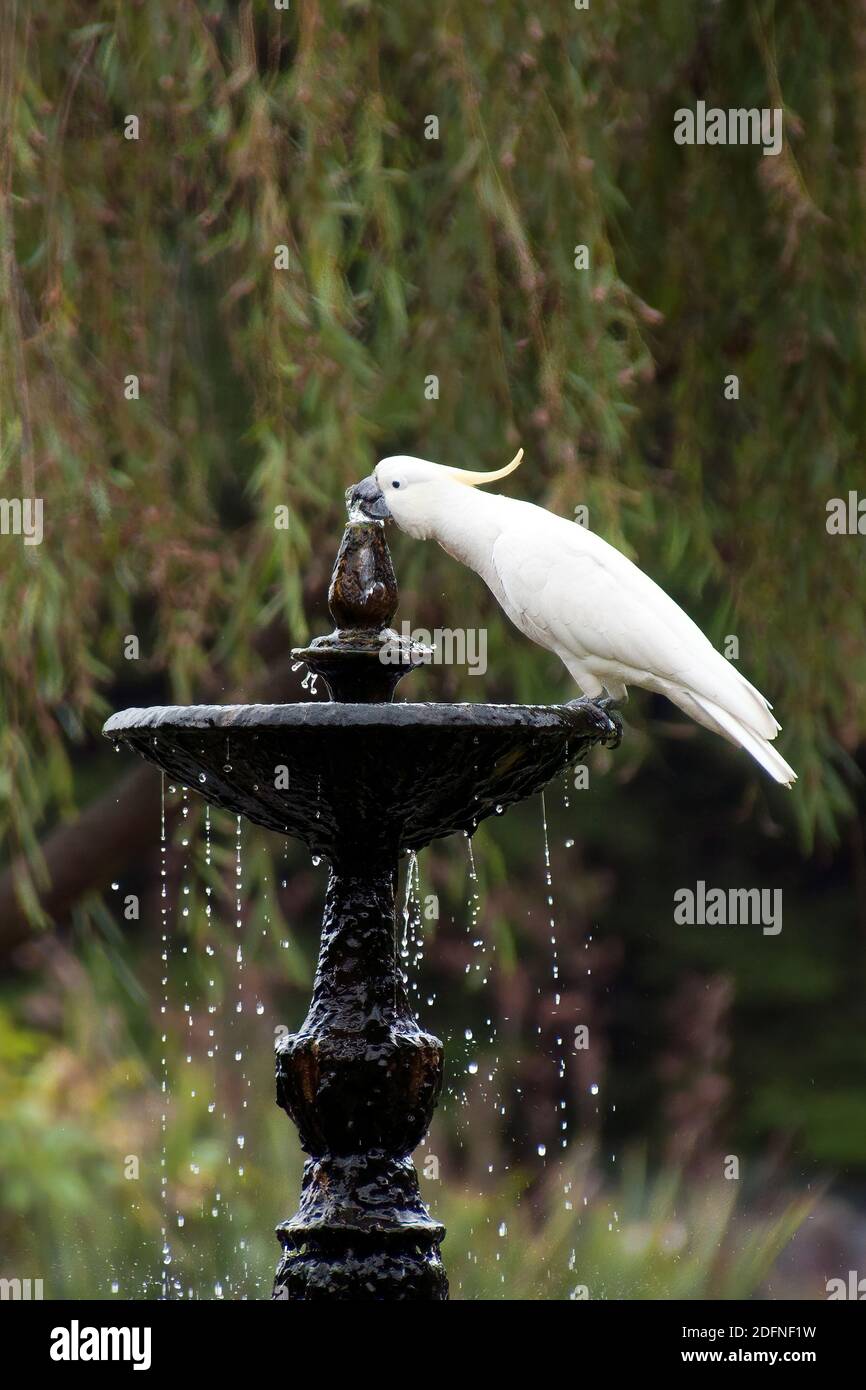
point(641, 1240)
point(407, 256)
point(73, 1216)
point(261, 388)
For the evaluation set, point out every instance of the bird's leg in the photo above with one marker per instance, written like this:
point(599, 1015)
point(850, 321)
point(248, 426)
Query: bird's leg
point(611, 702)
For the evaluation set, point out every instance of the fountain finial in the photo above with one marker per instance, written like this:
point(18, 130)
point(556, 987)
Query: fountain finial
point(363, 659)
point(363, 594)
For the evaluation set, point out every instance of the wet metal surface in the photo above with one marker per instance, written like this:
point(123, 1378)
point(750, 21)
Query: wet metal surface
point(402, 774)
point(360, 1080)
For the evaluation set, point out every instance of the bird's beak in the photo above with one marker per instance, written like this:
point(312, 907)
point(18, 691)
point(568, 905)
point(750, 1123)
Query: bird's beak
point(465, 475)
point(367, 498)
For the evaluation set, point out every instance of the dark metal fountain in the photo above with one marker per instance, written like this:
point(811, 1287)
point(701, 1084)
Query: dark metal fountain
point(361, 780)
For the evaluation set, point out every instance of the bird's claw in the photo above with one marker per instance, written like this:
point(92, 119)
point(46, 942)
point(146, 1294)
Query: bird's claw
point(610, 709)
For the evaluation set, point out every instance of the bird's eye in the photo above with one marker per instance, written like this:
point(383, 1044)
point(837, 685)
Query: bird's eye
point(395, 483)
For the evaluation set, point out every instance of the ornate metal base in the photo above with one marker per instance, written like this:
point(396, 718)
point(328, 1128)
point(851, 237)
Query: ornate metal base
point(361, 1081)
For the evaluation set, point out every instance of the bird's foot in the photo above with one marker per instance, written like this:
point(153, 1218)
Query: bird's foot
point(611, 708)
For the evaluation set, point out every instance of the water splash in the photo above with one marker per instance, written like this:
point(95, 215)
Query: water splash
point(309, 682)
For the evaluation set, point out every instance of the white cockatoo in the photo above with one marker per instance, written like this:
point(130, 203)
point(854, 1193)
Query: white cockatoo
point(569, 591)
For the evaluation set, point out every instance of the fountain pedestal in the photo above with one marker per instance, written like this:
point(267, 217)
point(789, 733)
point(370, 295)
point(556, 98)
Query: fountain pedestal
point(360, 1080)
point(361, 780)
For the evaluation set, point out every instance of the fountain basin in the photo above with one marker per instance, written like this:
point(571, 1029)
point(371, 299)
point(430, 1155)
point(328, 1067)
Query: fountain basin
point(353, 779)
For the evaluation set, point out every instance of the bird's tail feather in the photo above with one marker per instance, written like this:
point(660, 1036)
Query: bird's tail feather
point(712, 716)
point(765, 709)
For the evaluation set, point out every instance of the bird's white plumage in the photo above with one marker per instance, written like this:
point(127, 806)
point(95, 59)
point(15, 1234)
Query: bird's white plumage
point(571, 592)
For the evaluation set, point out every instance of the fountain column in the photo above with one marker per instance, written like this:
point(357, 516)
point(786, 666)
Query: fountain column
point(360, 1080)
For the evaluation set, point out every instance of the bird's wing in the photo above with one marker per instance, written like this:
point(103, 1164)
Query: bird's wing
point(572, 592)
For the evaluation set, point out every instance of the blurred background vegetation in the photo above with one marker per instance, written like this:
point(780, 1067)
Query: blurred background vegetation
point(261, 387)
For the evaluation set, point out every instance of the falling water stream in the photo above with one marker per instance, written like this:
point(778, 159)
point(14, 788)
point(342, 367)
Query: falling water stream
point(216, 1034)
point(166, 924)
